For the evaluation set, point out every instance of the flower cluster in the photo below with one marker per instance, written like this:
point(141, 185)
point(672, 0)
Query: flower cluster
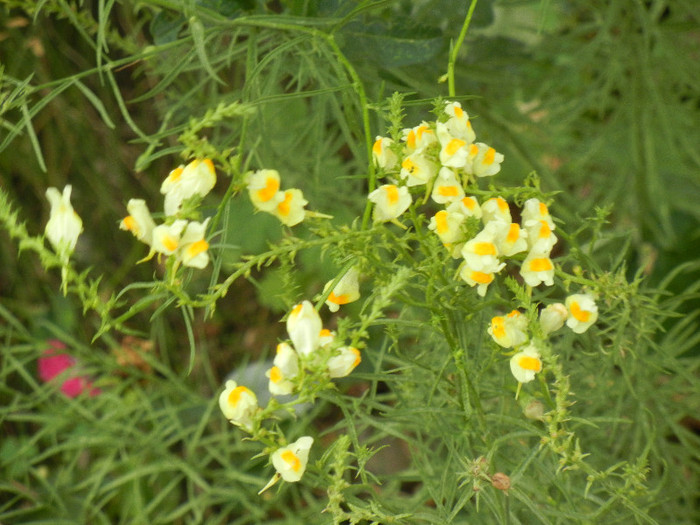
point(311, 350)
point(440, 155)
point(183, 239)
point(266, 195)
point(512, 331)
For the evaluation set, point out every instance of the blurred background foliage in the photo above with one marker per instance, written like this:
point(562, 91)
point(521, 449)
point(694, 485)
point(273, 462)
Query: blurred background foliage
point(600, 98)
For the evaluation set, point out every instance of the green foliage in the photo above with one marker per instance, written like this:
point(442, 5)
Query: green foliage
point(592, 101)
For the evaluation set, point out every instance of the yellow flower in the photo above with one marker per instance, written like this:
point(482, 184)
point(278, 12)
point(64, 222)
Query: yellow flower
point(166, 237)
point(481, 253)
point(454, 151)
point(345, 361)
point(64, 225)
point(476, 278)
point(290, 461)
point(447, 188)
point(139, 221)
point(540, 237)
point(524, 365)
point(509, 331)
point(448, 226)
point(486, 161)
point(290, 210)
point(537, 268)
point(326, 337)
point(509, 238)
point(496, 209)
point(197, 178)
point(346, 291)
point(238, 404)
point(535, 211)
point(304, 328)
point(458, 124)
point(419, 137)
point(552, 317)
point(467, 206)
point(286, 368)
point(583, 312)
point(390, 201)
point(263, 189)
point(193, 250)
point(417, 169)
point(382, 154)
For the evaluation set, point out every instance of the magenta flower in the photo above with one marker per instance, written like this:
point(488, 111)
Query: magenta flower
point(54, 363)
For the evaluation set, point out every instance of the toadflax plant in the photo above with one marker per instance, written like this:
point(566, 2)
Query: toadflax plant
point(470, 359)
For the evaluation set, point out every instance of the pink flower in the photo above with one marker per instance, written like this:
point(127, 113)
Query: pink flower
point(54, 363)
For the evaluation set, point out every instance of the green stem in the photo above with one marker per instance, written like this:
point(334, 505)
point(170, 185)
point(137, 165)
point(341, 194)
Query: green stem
point(455, 50)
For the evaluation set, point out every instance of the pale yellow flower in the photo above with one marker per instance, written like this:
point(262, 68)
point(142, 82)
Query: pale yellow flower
point(535, 211)
point(540, 237)
point(537, 268)
point(238, 404)
point(264, 189)
point(345, 361)
point(476, 278)
point(510, 330)
point(496, 209)
point(552, 317)
point(583, 312)
point(485, 161)
point(197, 178)
point(467, 206)
point(285, 368)
point(390, 201)
point(448, 226)
point(481, 253)
point(417, 169)
point(447, 188)
point(509, 238)
point(524, 365)
point(193, 250)
point(382, 153)
point(64, 225)
point(290, 461)
point(346, 291)
point(304, 328)
point(139, 221)
point(166, 237)
point(290, 210)
point(418, 137)
point(458, 124)
point(454, 151)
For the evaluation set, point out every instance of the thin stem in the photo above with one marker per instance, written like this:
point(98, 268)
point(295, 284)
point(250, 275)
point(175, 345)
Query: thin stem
point(455, 50)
